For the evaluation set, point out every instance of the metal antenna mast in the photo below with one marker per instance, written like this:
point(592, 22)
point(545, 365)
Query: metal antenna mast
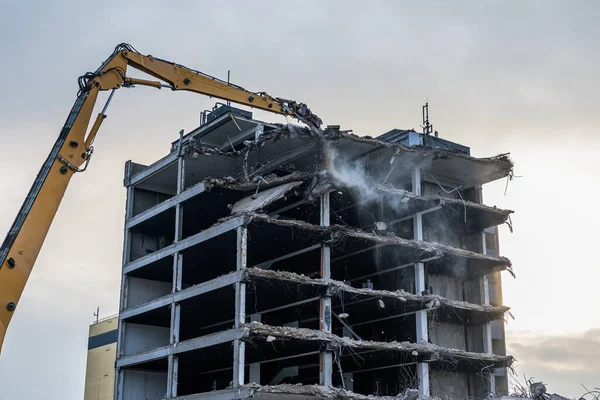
point(427, 127)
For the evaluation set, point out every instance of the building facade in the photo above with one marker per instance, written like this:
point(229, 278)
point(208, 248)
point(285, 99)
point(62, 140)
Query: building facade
point(101, 357)
point(271, 261)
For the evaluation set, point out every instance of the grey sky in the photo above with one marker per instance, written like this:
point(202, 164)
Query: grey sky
point(518, 76)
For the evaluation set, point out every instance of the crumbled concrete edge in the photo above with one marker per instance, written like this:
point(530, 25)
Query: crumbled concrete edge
point(248, 186)
point(274, 180)
point(440, 200)
point(338, 231)
point(328, 392)
point(436, 353)
point(195, 147)
point(430, 302)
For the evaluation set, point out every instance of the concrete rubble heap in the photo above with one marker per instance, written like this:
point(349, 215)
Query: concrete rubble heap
point(267, 261)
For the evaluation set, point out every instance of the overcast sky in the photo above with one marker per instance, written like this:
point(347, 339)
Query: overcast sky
point(500, 76)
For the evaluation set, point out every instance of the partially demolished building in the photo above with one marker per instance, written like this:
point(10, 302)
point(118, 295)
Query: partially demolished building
point(269, 261)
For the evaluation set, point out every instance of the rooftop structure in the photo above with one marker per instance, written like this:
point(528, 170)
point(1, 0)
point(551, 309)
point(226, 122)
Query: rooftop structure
point(271, 261)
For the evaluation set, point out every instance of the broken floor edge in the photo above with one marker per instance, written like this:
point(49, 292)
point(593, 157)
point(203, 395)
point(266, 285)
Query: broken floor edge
point(430, 302)
point(437, 353)
point(298, 391)
point(333, 134)
point(338, 230)
point(234, 184)
point(327, 392)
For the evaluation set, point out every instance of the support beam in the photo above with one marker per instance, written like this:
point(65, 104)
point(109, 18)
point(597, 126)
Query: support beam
point(254, 369)
point(385, 271)
point(172, 376)
point(484, 291)
point(422, 331)
point(412, 216)
point(375, 246)
point(325, 356)
point(388, 318)
point(173, 360)
point(348, 378)
point(268, 264)
point(294, 304)
point(175, 323)
point(288, 207)
point(240, 137)
point(286, 372)
point(118, 387)
point(239, 346)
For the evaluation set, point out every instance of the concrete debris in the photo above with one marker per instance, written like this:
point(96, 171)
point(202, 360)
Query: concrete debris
point(336, 343)
point(380, 225)
point(272, 181)
point(325, 392)
point(538, 391)
point(433, 200)
point(319, 183)
point(495, 167)
point(264, 198)
point(430, 302)
point(270, 339)
point(335, 233)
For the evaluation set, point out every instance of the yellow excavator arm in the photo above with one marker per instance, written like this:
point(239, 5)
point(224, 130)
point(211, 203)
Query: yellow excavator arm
point(73, 149)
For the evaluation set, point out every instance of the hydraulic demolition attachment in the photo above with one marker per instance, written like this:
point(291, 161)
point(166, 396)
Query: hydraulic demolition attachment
point(73, 149)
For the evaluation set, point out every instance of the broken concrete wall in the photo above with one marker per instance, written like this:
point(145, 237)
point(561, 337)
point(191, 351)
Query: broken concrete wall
point(447, 287)
point(449, 335)
point(449, 385)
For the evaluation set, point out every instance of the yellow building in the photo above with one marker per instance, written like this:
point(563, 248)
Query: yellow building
point(102, 353)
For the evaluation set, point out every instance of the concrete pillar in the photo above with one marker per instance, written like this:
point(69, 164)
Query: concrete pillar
point(348, 381)
point(484, 291)
point(254, 369)
point(123, 297)
point(422, 331)
point(239, 346)
point(173, 361)
point(325, 357)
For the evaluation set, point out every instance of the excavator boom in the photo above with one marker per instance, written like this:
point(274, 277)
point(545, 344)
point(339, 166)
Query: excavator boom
point(73, 149)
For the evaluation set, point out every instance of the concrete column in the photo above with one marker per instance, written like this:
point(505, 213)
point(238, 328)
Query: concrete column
point(254, 369)
point(123, 296)
point(484, 291)
point(348, 381)
point(422, 331)
point(173, 360)
point(325, 357)
point(119, 384)
point(172, 376)
point(239, 346)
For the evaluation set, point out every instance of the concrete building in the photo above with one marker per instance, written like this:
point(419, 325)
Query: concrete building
point(270, 261)
point(101, 356)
